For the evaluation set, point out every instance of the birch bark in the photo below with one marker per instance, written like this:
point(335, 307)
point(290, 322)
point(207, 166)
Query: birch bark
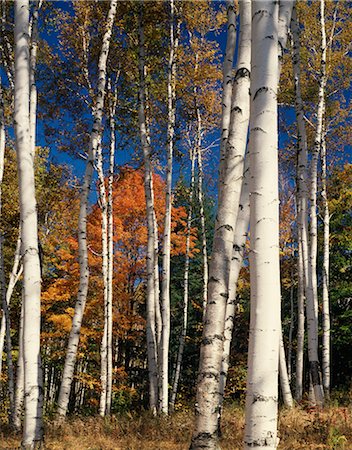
point(33, 428)
point(112, 112)
point(19, 392)
point(239, 242)
point(14, 276)
point(284, 379)
point(185, 288)
point(265, 326)
point(149, 194)
point(326, 303)
point(312, 291)
point(95, 138)
point(227, 79)
point(165, 285)
point(240, 104)
point(105, 259)
point(302, 209)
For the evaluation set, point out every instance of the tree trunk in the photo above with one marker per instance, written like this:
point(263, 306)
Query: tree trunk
point(112, 112)
point(165, 285)
point(240, 103)
point(185, 288)
point(284, 379)
point(6, 315)
point(302, 208)
point(149, 194)
point(201, 211)
point(239, 243)
point(227, 79)
point(33, 426)
point(326, 302)
point(265, 326)
point(32, 72)
point(14, 276)
point(206, 426)
point(105, 259)
point(312, 291)
point(95, 139)
point(19, 393)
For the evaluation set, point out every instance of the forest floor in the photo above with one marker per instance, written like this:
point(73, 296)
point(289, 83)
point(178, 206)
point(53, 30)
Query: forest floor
point(298, 429)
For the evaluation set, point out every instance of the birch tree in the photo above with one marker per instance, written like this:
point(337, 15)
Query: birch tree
point(152, 289)
point(231, 170)
point(33, 428)
point(264, 334)
point(95, 139)
point(326, 263)
point(183, 335)
point(165, 285)
point(302, 205)
point(312, 289)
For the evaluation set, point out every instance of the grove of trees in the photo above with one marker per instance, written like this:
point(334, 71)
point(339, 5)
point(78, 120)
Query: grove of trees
point(175, 211)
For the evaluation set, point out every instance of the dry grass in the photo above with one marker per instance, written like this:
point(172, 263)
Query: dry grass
point(299, 429)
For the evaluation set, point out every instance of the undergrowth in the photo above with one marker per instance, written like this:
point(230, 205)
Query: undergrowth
point(298, 429)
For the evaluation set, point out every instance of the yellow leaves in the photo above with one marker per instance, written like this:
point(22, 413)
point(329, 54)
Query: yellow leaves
point(61, 321)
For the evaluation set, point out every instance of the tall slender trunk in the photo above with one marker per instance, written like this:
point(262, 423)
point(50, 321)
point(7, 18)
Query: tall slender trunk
point(302, 211)
point(32, 72)
point(291, 329)
point(95, 139)
point(14, 276)
point(231, 172)
point(165, 285)
point(239, 243)
point(185, 287)
point(105, 258)
point(312, 291)
point(227, 79)
point(19, 393)
point(33, 427)
point(6, 315)
point(240, 103)
point(265, 326)
point(284, 379)
point(300, 326)
point(326, 303)
point(149, 194)
point(112, 112)
point(201, 212)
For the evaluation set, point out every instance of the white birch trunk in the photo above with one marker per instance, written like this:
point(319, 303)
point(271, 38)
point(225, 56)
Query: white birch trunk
point(32, 72)
point(19, 393)
point(241, 105)
point(239, 242)
point(105, 258)
point(33, 427)
point(6, 315)
point(227, 79)
point(312, 291)
point(284, 379)
point(201, 213)
point(165, 285)
point(112, 112)
point(95, 139)
point(14, 276)
point(149, 194)
point(300, 327)
point(302, 208)
point(205, 434)
point(185, 288)
point(265, 326)
point(326, 302)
